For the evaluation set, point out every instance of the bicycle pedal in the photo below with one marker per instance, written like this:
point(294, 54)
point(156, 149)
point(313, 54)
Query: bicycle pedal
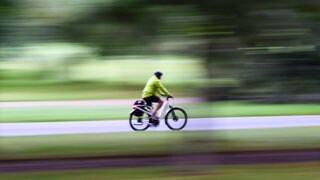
point(156, 123)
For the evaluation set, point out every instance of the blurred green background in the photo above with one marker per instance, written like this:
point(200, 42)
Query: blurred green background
point(77, 49)
point(241, 58)
point(256, 58)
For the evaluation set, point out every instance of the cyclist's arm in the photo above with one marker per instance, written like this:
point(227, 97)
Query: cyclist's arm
point(163, 89)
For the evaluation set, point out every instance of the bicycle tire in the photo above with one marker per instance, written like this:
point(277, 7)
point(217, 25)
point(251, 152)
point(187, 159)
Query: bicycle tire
point(132, 125)
point(173, 113)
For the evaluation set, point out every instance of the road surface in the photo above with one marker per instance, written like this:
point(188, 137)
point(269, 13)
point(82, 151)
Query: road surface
point(214, 158)
point(110, 126)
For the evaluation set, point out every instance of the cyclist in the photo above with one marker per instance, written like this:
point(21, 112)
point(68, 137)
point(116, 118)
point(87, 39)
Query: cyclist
point(150, 91)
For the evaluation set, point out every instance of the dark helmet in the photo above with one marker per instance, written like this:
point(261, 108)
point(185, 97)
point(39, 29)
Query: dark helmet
point(158, 73)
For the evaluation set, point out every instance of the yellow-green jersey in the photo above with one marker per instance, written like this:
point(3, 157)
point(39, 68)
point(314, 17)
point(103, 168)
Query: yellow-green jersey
point(153, 87)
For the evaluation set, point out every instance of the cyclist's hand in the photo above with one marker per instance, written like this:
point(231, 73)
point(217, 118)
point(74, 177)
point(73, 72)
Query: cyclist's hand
point(170, 96)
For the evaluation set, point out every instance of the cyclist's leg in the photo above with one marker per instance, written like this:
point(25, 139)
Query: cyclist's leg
point(155, 111)
point(149, 103)
point(155, 99)
point(159, 105)
point(148, 100)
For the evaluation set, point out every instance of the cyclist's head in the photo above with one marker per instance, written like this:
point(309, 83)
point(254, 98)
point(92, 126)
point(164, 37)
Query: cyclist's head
point(158, 74)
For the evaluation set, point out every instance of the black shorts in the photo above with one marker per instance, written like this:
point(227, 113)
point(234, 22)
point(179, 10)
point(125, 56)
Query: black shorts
point(149, 100)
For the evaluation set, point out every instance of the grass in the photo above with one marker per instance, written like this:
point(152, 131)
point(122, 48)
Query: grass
point(96, 79)
point(157, 143)
point(111, 70)
point(41, 114)
point(64, 90)
point(72, 113)
point(293, 171)
point(234, 108)
point(105, 112)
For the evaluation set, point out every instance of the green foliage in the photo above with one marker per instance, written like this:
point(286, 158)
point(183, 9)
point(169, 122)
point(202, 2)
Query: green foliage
point(155, 143)
point(267, 47)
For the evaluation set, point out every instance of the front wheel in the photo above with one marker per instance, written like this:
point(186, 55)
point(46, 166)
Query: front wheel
point(139, 123)
point(176, 118)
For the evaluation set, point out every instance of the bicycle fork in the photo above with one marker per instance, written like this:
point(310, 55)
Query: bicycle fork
point(174, 116)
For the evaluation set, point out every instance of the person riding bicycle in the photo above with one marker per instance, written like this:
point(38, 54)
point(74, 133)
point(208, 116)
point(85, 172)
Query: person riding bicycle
point(150, 91)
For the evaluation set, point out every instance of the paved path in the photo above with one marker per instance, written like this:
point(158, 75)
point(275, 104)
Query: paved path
point(109, 126)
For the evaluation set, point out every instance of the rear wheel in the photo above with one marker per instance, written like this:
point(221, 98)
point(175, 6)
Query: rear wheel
point(139, 123)
point(176, 118)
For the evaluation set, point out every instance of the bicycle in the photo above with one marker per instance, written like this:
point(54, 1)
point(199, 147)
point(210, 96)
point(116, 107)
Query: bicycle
point(141, 115)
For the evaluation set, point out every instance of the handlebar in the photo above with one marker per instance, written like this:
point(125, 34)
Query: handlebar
point(167, 97)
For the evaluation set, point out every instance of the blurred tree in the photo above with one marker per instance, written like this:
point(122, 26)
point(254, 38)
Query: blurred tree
point(284, 55)
point(264, 47)
point(123, 27)
point(5, 11)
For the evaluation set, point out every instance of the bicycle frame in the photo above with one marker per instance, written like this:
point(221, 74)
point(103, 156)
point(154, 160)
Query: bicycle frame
point(167, 105)
point(139, 108)
point(164, 109)
point(167, 113)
